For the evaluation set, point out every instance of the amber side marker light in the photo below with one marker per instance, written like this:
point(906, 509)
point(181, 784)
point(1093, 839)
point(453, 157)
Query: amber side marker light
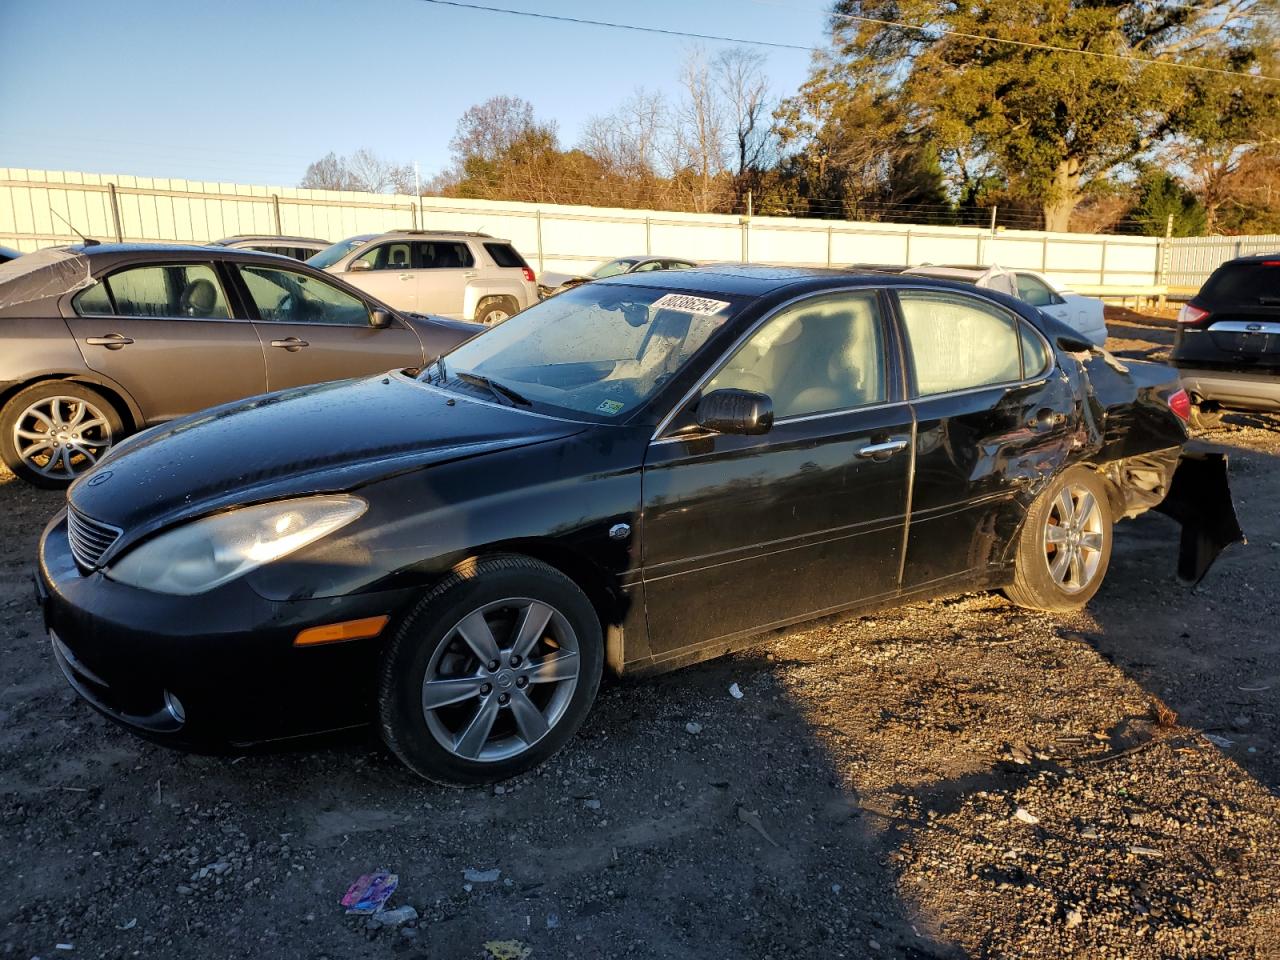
point(337, 632)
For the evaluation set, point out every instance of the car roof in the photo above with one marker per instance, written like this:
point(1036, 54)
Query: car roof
point(269, 237)
point(1253, 258)
point(437, 233)
point(204, 251)
point(758, 279)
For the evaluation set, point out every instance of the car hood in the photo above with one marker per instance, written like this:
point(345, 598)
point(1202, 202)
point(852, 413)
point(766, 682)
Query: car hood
point(317, 439)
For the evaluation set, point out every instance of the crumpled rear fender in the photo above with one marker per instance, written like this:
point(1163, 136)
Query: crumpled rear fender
point(1199, 498)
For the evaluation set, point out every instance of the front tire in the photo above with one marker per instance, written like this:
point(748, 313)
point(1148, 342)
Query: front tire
point(491, 673)
point(1064, 548)
point(495, 310)
point(52, 432)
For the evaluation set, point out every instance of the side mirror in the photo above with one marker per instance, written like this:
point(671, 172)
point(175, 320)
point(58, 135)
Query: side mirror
point(359, 266)
point(736, 411)
point(379, 319)
point(1072, 343)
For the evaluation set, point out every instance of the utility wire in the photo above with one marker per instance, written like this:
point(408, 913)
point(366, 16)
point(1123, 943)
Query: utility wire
point(939, 31)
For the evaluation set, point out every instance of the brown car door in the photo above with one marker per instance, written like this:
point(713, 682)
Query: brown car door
point(314, 331)
point(165, 333)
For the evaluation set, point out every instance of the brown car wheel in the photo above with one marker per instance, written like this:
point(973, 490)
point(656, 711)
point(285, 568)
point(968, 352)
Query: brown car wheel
point(52, 432)
point(1065, 544)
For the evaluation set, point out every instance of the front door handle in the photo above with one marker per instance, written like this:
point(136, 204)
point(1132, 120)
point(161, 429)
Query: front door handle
point(292, 344)
point(406, 276)
point(470, 275)
point(112, 341)
point(882, 451)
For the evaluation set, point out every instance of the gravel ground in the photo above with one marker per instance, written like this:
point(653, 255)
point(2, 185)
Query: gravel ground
point(950, 779)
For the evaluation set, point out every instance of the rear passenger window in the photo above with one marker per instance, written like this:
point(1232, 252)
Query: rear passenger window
point(505, 255)
point(1035, 356)
point(171, 291)
point(93, 302)
point(958, 342)
point(444, 255)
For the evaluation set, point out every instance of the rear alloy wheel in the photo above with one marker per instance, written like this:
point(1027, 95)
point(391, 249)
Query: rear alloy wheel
point(495, 310)
point(55, 431)
point(1065, 545)
point(492, 673)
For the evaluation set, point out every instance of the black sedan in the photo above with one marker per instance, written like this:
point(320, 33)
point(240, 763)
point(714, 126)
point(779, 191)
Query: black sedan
point(637, 474)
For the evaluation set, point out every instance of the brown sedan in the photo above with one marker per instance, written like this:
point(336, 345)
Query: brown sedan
point(100, 340)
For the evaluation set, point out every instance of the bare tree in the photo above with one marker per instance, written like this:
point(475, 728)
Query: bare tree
point(628, 141)
point(363, 171)
point(699, 136)
point(742, 82)
point(489, 130)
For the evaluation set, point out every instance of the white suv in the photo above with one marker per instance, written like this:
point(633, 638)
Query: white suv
point(465, 276)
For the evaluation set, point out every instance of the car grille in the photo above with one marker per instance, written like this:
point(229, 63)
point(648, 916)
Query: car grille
point(89, 538)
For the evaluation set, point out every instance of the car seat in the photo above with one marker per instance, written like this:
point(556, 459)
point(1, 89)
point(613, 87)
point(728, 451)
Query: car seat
point(199, 298)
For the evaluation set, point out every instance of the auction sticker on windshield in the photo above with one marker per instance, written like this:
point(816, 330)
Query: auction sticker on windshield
point(687, 304)
point(610, 406)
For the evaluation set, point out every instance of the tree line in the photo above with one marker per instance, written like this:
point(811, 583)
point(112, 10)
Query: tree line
point(1067, 115)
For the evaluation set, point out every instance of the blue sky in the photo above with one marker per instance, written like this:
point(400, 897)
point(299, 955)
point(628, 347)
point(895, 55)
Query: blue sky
point(253, 91)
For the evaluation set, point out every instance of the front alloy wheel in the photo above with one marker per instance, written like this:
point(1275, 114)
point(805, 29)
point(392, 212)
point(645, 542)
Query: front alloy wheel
point(491, 673)
point(503, 677)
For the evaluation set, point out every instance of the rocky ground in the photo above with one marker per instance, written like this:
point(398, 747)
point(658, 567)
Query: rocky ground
point(952, 779)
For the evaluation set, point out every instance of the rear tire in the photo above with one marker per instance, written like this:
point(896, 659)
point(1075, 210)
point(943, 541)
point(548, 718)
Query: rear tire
point(494, 310)
point(459, 718)
point(53, 431)
point(1064, 548)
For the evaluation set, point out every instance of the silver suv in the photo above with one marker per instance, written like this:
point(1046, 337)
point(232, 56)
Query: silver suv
point(465, 276)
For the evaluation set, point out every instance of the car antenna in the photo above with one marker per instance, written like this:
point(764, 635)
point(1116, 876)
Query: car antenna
point(87, 242)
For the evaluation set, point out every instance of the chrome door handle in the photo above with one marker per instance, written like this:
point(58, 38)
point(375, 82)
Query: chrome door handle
point(112, 341)
point(406, 276)
point(292, 344)
point(882, 450)
point(470, 275)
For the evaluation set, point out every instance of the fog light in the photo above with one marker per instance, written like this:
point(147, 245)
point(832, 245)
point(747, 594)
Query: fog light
point(175, 707)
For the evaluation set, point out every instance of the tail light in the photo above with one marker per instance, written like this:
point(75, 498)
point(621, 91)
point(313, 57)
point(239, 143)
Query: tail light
point(1189, 314)
point(528, 274)
point(1180, 404)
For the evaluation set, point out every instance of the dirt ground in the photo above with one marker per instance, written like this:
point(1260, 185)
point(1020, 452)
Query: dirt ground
point(951, 779)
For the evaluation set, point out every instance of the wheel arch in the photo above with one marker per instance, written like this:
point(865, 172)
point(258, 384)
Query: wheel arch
point(130, 413)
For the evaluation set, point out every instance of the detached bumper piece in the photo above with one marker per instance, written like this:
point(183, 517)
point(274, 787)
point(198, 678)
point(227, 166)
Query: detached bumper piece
point(1200, 499)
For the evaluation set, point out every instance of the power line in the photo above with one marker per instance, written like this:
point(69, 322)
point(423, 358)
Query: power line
point(584, 21)
point(664, 31)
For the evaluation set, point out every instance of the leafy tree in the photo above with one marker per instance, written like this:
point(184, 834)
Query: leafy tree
point(1048, 120)
point(1162, 196)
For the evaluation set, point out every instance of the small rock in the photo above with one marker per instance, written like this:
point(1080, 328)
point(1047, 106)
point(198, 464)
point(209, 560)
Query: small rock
point(184, 890)
point(835, 888)
point(1025, 816)
point(553, 921)
point(472, 875)
point(408, 933)
point(397, 917)
point(1089, 832)
point(499, 790)
point(1136, 819)
point(591, 804)
point(735, 691)
point(873, 944)
point(693, 728)
point(1074, 918)
point(1145, 851)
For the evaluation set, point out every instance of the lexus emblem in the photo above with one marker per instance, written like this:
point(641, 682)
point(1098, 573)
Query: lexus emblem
point(1254, 327)
point(98, 478)
point(620, 531)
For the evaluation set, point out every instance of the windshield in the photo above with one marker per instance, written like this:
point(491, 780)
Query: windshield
point(601, 350)
point(331, 255)
point(613, 268)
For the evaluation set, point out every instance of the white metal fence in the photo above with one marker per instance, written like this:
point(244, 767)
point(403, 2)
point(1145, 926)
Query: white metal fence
point(39, 207)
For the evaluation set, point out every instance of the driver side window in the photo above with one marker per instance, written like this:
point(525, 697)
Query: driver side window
point(818, 356)
point(283, 296)
point(387, 256)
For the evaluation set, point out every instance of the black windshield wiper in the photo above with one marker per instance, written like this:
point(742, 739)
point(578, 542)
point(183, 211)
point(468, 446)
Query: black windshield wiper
point(499, 390)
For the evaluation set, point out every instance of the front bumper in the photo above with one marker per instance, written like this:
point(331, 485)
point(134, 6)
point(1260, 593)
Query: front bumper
point(227, 656)
point(1234, 389)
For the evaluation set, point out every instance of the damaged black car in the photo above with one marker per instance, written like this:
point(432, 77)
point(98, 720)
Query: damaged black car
point(637, 474)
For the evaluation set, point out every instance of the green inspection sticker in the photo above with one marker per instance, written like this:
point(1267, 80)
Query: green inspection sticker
point(610, 406)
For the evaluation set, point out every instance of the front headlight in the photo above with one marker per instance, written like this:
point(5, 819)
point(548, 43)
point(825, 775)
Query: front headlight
point(199, 556)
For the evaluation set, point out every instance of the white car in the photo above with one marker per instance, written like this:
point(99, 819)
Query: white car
point(1083, 314)
point(463, 276)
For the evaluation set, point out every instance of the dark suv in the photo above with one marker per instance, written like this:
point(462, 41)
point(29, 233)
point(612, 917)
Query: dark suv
point(101, 340)
point(1227, 349)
